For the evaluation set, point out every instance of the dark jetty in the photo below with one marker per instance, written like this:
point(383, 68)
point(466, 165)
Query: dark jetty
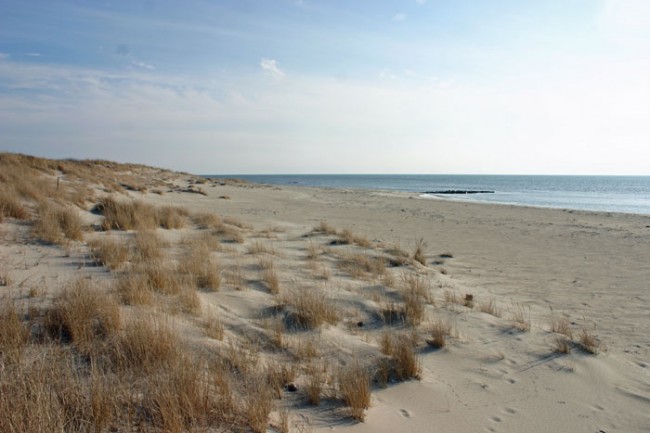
point(460, 191)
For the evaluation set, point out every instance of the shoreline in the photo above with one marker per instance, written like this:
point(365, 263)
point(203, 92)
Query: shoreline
point(499, 203)
point(497, 192)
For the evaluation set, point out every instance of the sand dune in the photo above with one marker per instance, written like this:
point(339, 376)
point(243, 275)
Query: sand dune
point(528, 271)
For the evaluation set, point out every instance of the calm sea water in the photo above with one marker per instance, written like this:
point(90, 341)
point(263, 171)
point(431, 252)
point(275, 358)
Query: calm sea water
point(630, 194)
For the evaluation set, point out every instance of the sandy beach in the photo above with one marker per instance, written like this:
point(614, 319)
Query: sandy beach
point(517, 289)
point(589, 267)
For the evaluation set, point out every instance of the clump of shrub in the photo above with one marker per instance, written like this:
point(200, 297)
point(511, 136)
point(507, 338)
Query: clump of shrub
point(324, 228)
point(590, 342)
point(170, 217)
point(258, 247)
point(314, 386)
point(308, 309)
point(229, 233)
point(213, 326)
point(161, 277)
point(562, 345)
point(403, 360)
point(346, 237)
point(520, 319)
point(188, 299)
point(354, 386)
point(55, 223)
point(419, 254)
point(413, 308)
point(14, 334)
point(206, 220)
point(148, 245)
point(11, 205)
point(109, 252)
point(440, 330)
point(398, 257)
point(561, 325)
point(83, 315)
point(133, 288)
point(360, 265)
point(136, 215)
point(270, 276)
point(145, 345)
point(126, 215)
point(202, 268)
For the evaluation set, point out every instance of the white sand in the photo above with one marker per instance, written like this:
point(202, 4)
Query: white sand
point(592, 268)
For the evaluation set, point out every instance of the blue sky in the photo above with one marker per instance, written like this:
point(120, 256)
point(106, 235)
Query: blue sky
point(286, 86)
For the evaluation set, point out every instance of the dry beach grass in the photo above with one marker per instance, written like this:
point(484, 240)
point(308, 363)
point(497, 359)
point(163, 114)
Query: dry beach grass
point(128, 309)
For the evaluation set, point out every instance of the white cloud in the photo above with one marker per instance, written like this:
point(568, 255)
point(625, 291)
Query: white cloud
point(271, 66)
point(597, 124)
point(399, 16)
point(386, 73)
point(4, 56)
point(143, 65)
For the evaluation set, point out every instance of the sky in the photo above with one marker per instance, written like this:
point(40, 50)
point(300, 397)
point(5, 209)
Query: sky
point(331, 86)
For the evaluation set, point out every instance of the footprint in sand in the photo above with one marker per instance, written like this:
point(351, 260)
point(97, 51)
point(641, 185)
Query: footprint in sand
point(511, 381)
point(498, 419)
point(405, 413)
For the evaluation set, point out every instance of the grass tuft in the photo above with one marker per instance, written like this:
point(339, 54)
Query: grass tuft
point(11, 205)
point(148, 245)
point(404, 362)
point(354, 386)
point(83, 315)
point(269, 275)
point(314, 385)
point(133, 289)
point(490, 307)
point(439, 333)
point(419, 254)
point(55, 224)
point(561, 325)
point(346, 237)
point(169, 217)
point(109, 252)
point(213, 327)
point(590, 342)
point(122, 215)
point(520, 319)
point(562, 345)
point(146, 344)
point(200, 266)
point(14, 334)
point(309, 309)
point(324, 228)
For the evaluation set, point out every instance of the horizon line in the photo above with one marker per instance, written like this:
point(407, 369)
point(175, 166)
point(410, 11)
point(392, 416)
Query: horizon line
point(420, 174)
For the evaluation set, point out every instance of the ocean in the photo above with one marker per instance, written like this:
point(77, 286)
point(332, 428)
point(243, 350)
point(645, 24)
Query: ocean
point(627, 194)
